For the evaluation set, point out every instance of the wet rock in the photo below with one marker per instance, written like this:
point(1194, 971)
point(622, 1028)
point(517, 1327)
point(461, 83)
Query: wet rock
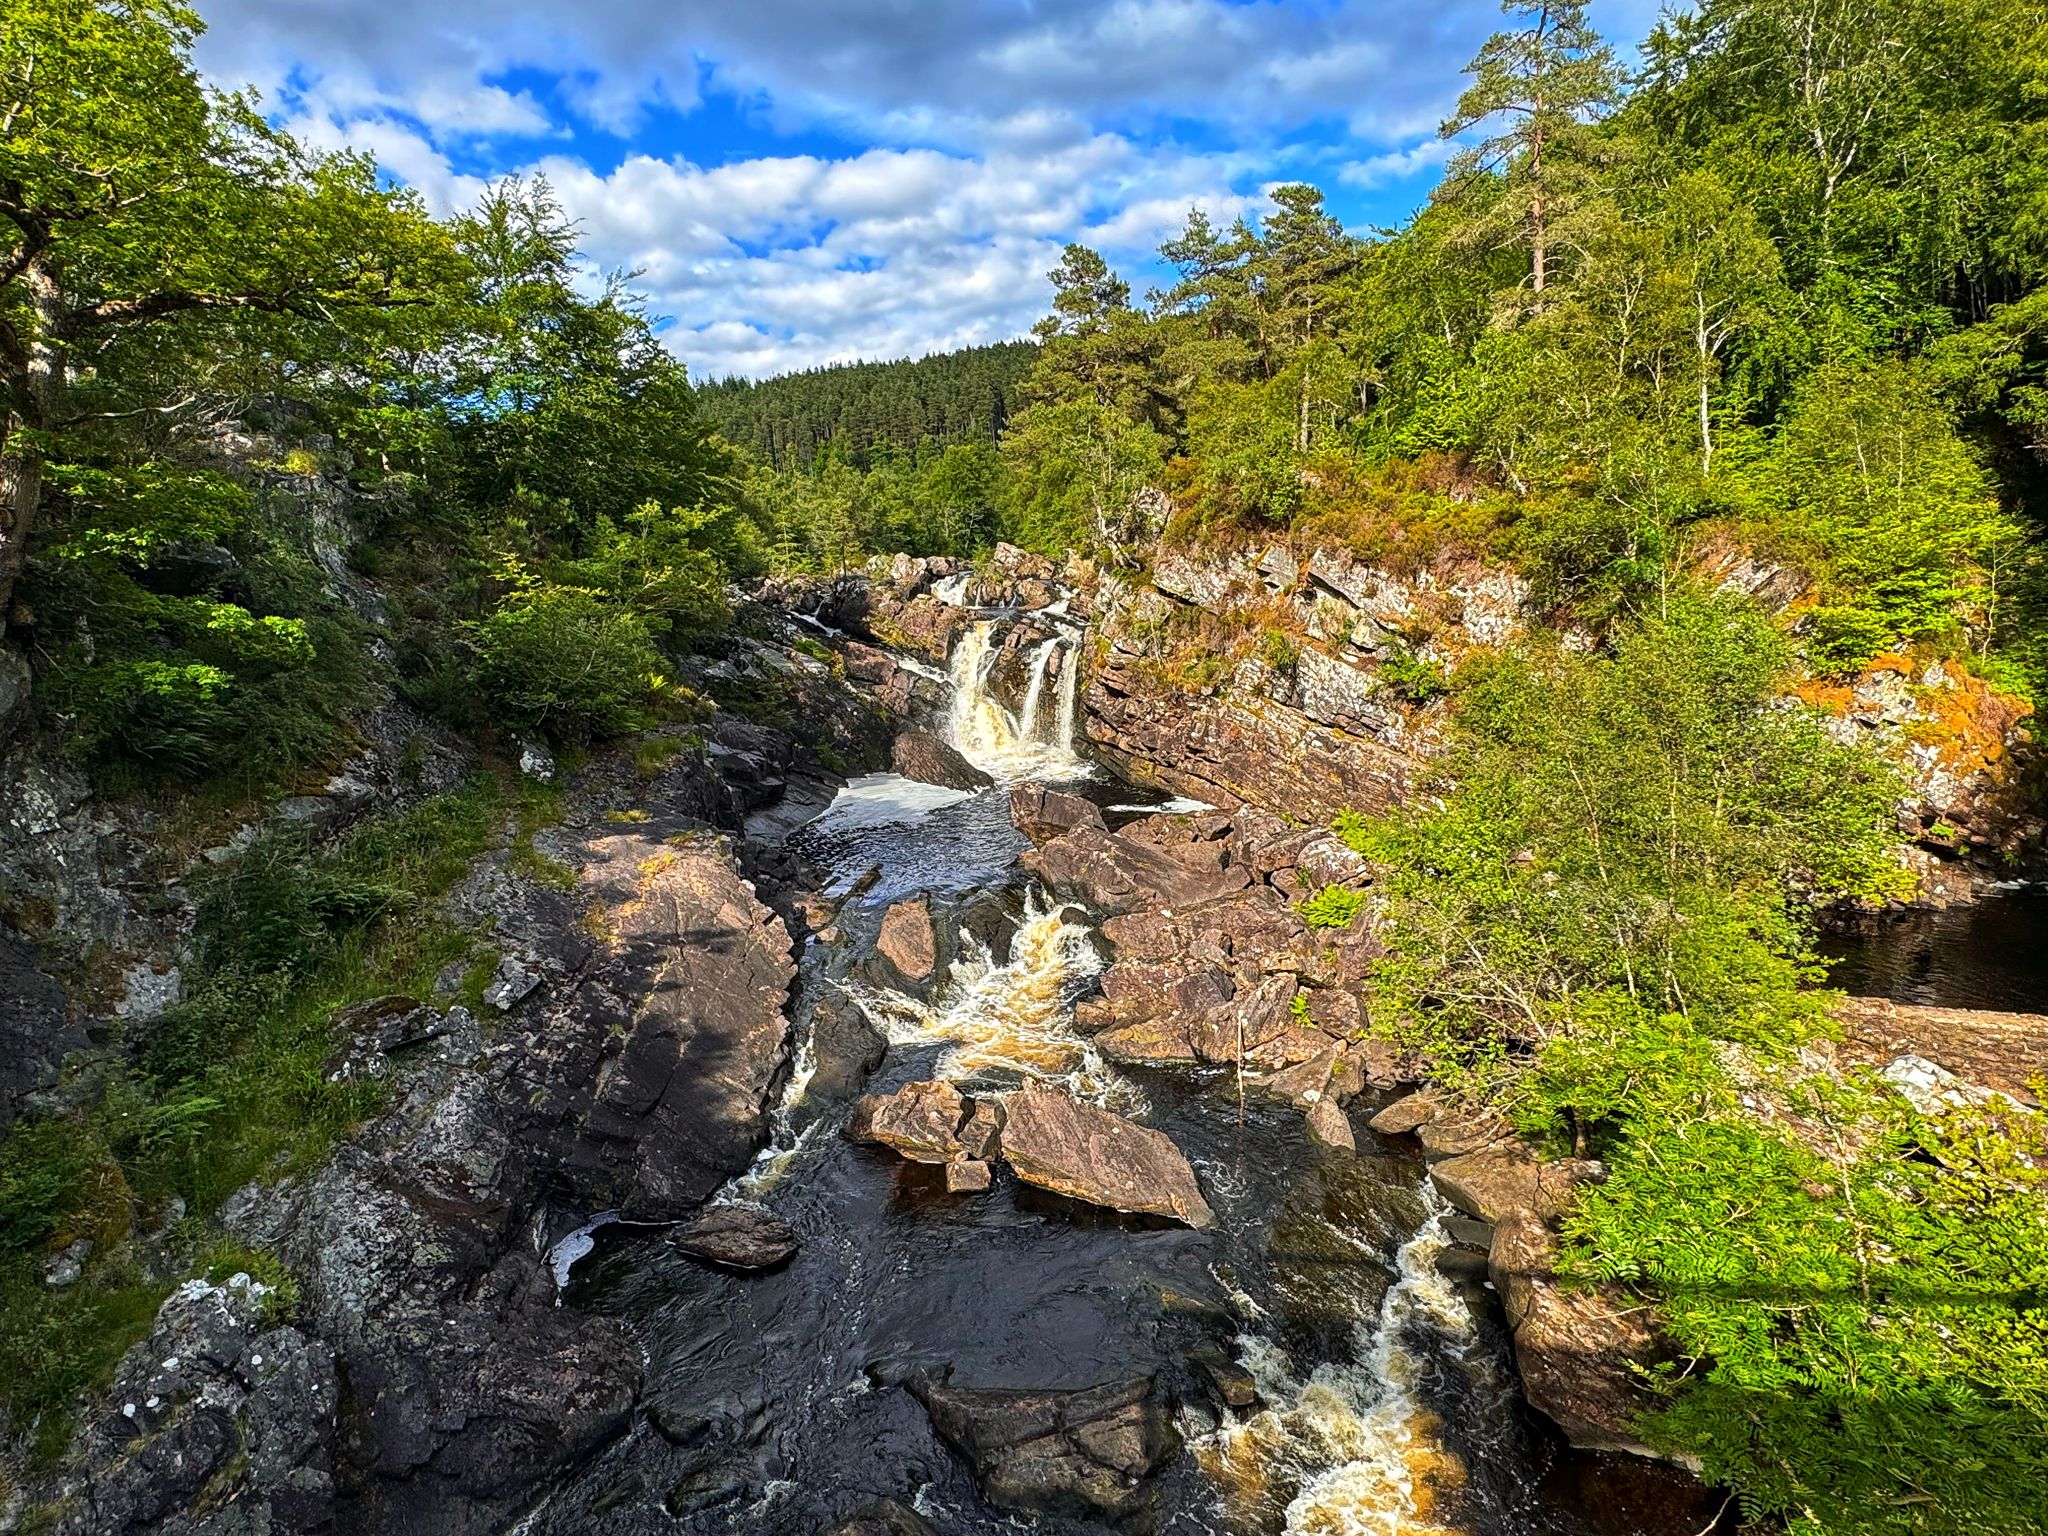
point(736, 1237)
point(907, 943)
point(981, 1132)
point(1083, 1455)
point(967, 1176)
point(1328, 1124)
point(1229, 1383)
point(1089, 1154)
point(846, 1048)
point(1113, 874)
point(920, 1121)
point(1461, 1264)
point(705, 1486)
point(678, 1426)
point(1042, 814)
point(884, 1517)
point(1580, 1351)
point(922, 756)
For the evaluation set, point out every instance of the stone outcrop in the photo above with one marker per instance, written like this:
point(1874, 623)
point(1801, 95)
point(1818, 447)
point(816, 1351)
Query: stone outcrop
point(1115, 874)
point(1089, 1154)
point(2005, 1051)
point(1043, 814)
point(1083, 1455)
point(922, 756)
point(36, 1027)
point(1580, 1350)
point(665, 1052)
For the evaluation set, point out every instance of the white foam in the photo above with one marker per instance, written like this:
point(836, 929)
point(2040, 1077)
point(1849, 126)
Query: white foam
point(879, 799)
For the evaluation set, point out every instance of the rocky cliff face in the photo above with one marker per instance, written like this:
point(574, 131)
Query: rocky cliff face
point(427, 1378)
point(1308, 682)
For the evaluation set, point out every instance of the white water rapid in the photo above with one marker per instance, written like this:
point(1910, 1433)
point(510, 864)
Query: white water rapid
point(1353, 1441)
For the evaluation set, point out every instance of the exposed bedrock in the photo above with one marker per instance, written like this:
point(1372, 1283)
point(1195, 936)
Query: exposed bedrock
point(1081, 1454)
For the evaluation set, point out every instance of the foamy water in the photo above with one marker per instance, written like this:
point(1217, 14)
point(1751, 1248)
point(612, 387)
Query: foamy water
point(1024, 746)
point(1351, 1448)
point(1014, 1018)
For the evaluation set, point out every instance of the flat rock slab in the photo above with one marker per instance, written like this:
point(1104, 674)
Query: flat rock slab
point(736, 1237)
point(1089, 1154)
point(1085, 1454)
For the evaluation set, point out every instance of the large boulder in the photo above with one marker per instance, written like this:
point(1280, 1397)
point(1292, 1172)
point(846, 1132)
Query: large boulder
point(736, 1237)
point(907, 945)
point(1582, 1350)
point(922, 756)
point(1043, 814)
point(1084, 1455)
point(1090, 1154)
point(36, 1031)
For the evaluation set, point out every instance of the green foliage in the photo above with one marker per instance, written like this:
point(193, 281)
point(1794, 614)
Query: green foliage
point(564, 662)
point(1630, 840)
point(1877, 487)
point(865, 412)
point(1334, 906)
point(1866, 1307)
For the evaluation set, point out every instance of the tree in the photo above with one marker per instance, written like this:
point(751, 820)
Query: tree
point(1546, 80)
point(135, 202)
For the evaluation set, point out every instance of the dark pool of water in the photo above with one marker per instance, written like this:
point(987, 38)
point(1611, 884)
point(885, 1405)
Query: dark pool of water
point(1993, 954)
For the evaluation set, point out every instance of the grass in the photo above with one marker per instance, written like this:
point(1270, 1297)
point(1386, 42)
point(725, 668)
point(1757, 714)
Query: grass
point(227, 1087)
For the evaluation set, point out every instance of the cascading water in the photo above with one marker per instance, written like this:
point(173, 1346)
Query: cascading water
point(987, 735)
point(1352, 1446)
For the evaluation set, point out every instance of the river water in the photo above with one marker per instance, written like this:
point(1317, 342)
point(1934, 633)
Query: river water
point(1387, 1404)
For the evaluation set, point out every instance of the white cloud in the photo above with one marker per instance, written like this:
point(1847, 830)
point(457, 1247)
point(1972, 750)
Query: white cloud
point(1000, 130)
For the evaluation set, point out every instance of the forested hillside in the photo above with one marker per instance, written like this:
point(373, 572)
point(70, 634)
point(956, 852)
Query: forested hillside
point(858, 408)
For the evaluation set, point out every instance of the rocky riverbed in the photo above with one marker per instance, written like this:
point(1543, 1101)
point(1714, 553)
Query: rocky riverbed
point(984, 1139)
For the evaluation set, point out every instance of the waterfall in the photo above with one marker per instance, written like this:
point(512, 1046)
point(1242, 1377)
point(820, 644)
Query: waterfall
point(952, 590)
point(1070, 684)
point(987, 735)
point(1041, 663)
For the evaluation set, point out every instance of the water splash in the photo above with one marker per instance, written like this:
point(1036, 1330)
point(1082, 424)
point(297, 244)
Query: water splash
point(1352, 1449)
point(1013, 1019)
point(986, 734)
point(952, 590)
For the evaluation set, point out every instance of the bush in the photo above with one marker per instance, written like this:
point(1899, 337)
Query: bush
point(564, 662)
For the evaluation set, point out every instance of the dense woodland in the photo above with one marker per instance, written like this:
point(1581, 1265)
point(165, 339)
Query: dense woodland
point(869, 410)
point(1782, 280)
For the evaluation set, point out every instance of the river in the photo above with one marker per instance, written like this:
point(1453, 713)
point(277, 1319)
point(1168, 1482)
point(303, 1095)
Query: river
point(1387, 1405)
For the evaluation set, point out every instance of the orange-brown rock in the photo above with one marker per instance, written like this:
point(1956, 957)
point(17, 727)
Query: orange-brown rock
point(1089, 1154)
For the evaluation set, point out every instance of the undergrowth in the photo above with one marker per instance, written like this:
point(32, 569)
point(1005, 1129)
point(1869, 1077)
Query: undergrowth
point(228, 1086)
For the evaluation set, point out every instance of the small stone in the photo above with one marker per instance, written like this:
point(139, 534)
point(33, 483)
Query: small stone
point(676, 1426)
point(736, 1237)
point(66, 1268)
point(967, 1176)
point(1231, 1383)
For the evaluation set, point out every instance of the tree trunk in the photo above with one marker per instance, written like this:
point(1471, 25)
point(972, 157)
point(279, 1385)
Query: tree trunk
point(21, 488)
point(31, 391)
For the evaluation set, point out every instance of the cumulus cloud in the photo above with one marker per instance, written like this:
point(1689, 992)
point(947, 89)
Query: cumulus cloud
point(999, 130)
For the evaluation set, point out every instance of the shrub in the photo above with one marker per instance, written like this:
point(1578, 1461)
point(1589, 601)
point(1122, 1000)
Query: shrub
point(1334, 906)
point(564, 662)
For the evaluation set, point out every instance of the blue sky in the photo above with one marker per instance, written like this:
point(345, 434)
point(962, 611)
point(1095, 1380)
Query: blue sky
point(812, 181)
